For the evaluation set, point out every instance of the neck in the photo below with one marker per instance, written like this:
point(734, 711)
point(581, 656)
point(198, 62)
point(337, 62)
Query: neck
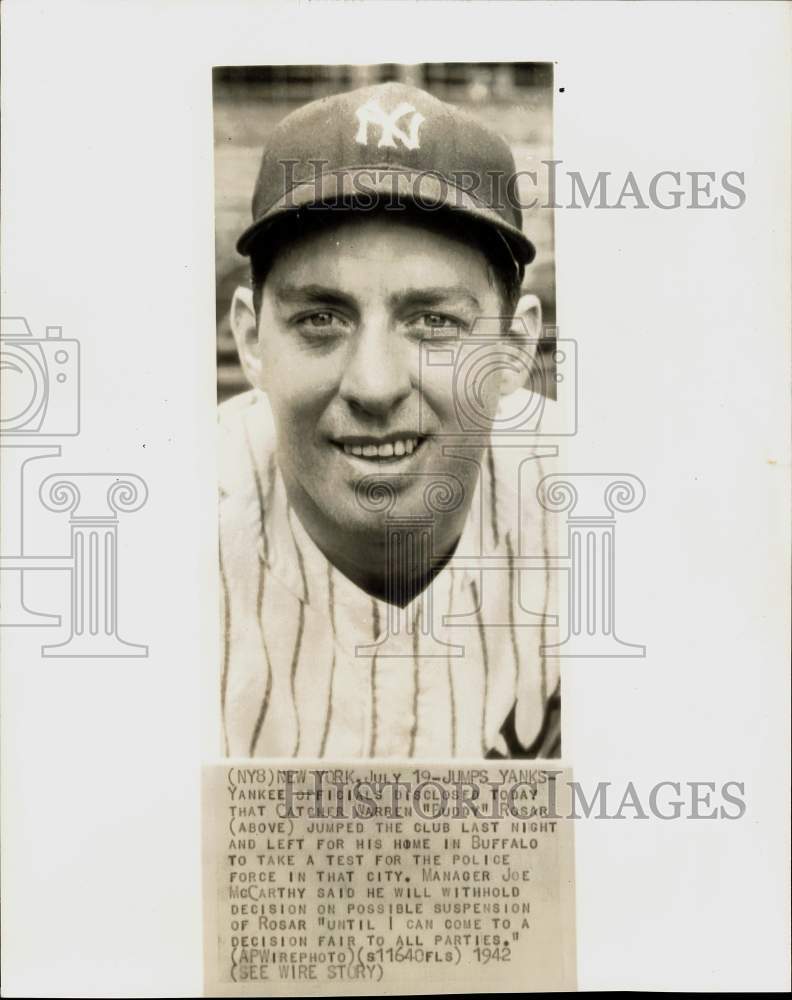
point(398, 580)
point(416, 555)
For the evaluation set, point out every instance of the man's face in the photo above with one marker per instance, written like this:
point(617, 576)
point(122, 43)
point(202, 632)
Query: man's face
point(343, 313)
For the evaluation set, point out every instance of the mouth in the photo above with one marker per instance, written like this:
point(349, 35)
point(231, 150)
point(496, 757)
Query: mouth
point(389, 449)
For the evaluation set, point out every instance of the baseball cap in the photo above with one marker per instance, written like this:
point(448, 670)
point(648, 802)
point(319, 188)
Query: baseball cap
point(394, 143)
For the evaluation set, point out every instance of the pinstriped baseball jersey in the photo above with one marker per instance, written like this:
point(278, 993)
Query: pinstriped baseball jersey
point(312, 666)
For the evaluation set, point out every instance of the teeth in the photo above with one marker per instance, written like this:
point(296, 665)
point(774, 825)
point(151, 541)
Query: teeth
point(403, 447)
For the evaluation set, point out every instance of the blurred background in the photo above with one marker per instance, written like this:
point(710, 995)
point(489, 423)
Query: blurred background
point(515, 99)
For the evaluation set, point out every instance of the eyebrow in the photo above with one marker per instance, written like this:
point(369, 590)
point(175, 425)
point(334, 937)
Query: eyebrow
point(410, 297)
point(435, 296)
point(291, 294)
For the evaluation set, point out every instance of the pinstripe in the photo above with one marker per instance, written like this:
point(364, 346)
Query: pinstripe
point(257, 480)
point(543, 628)
point(262, 713)
point(298, 553)
point(331, 610)
point(268, 689)
point(512, 596)
point(551, 744)
point(226, 645)
point(298, 640)
point(375, 624)
point(271, 476)
point(414, 730)
point(493, 495)
point(451, 693)
point(293, 675)
point(485, 664)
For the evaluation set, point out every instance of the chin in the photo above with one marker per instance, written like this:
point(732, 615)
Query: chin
point(368, 531)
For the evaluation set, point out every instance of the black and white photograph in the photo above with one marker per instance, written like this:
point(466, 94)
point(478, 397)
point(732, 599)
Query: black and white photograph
point(387, 369)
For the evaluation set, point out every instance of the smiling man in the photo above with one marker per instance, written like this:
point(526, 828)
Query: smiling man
point(368, 525)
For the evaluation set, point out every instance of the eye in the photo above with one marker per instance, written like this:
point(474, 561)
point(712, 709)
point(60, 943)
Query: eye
point(436, 324)
point(437, 321)
point(321, 323)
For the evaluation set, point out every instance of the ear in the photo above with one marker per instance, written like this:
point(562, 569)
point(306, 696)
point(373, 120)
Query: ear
point(244, 326)
point(521, 341)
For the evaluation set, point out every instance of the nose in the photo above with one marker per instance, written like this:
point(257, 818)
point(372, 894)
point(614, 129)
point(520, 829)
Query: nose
point(377, 374)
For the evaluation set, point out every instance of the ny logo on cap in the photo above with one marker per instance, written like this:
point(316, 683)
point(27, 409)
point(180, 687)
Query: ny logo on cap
point(371, 113)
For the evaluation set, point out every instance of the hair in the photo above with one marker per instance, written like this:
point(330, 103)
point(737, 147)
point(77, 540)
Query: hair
point(501, 265)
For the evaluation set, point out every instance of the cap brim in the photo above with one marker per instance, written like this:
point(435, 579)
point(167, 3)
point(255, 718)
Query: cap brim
point(352, 187)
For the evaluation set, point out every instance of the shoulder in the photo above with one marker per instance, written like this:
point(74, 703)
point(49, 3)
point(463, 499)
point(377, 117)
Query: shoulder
point(246, 449)
point(514, 468)
point(233, 411)
point(246, 441)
